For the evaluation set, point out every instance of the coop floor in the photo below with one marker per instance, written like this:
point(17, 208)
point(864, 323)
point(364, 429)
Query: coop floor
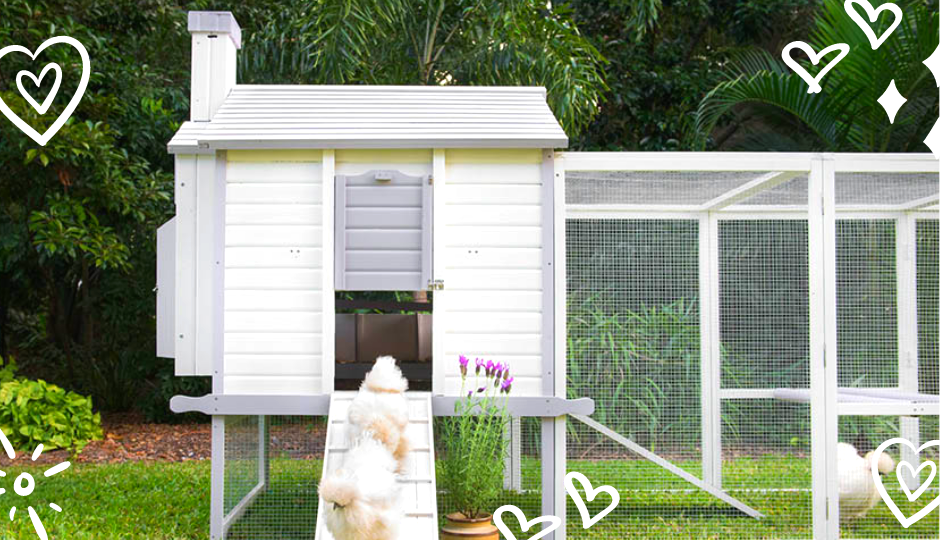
point(288, 511)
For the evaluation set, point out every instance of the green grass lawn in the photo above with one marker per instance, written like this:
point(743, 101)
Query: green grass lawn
point(171, 501)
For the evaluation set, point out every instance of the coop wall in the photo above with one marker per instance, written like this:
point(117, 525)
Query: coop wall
point(493, 262)
point(274, 273)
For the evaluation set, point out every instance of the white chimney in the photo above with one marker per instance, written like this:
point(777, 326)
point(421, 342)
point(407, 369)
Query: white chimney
point(216, 38)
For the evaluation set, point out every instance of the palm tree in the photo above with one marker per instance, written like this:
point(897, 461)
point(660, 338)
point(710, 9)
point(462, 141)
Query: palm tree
point(484, 42)
point(770, 102)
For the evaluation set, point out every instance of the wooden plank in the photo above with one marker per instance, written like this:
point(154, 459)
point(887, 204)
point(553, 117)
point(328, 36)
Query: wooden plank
point(379, 261)
point(494, 258)
point(402, 239)
point(272, 278)
point(493, 301)
point(504, 323)
point(749, 189)
point(383, 218)
point(272, 321)
point(495, 280)
point(494, 236)
point(273, 343)
point(496, 193)
point(273, 235)
point(497, 344)
point(272, 171)
point(207, 237)
point(328, 283)
point(384, 195)
point(185, 308)
point(273, 214)
point(272, 385)
point(384, 281)
point(663, 463)
point(258, 299)
point(490, 173)
point(273, 257)
point(505, 215)
point(272, 364)
point(439, 239)
point(166, 289)
point(274, 193)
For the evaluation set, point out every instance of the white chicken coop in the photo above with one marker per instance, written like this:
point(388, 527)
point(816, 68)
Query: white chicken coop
point(719, 321)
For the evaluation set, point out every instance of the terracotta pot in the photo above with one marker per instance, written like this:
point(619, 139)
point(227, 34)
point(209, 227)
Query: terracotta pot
point(460, 527)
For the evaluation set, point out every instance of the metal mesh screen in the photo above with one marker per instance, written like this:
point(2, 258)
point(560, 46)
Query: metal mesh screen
point(928, 306)
point(633, 347)
point(883, 188)
point(659, 187)
point(764, 303)
point(866, 291)
point(286, 506)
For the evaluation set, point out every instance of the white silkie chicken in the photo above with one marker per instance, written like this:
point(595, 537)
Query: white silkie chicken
point(857, 491)
point(381, 407)
point(362, 498)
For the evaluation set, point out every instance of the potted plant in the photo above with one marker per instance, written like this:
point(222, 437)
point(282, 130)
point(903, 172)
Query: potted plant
point(474, 447)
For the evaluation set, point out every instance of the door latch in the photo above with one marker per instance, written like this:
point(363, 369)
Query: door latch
point(435, 284)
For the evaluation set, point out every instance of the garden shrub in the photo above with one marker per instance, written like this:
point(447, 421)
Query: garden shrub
point(36, 412)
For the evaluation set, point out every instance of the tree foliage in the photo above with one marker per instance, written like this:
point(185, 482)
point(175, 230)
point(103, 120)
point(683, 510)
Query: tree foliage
point(770, 102)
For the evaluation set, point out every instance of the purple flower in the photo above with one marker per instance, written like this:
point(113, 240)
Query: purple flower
point(506, 372)
point(481, 389)
point(499, 369)
point(507, 385)
point(464, 361)
point(479, 365)
point(490, 366)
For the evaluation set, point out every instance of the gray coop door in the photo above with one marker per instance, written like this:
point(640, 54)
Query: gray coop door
point(383, 232)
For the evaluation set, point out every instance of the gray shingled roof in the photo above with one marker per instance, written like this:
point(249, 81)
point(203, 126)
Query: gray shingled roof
point(274, 116)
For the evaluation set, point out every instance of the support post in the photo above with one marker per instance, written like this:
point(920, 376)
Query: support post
point(217, 497)
point(710, 347)
point(264, 464)
point(821, 238)
point(906, 259)
point(328, 284)
point(512, 463)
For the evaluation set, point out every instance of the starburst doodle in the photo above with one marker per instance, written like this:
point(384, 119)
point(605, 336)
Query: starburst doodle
point(25, 484)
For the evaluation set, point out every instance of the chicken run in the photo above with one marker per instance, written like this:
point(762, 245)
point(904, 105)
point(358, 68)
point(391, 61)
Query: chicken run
point(723, 338)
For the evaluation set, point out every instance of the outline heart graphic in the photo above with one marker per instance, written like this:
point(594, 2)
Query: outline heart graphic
point(914, 473)
point(46, 103)
point(69, 109)
point(904, 520)
point(591, 493)
point(526, 524)
point(873, 16)
point(814, 57)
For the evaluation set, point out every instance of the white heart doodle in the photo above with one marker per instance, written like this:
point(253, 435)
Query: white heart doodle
point(591, 492)
point(72, 104)
point(913, 496)
point(554, 522)
point(46, 103)
point(814, 57)
point(904, 520)
point(873, 16)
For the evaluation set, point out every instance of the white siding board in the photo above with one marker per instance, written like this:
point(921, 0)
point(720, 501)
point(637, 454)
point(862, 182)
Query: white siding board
point(489, 173)
point(185, 309)
point(362, 196)
point(494, 280)
point(505, 323)
point(521, 386)
point(272, 278)
point(273, 364)
point(402, 239)
point(527, 194)
point(205, 259)
point(394, 261)
point(507, 215)
point(272, 300)
point(274, 193)
point(273, 321)
point(399, 281)
point(494, 258)
point(494, 236)
point(495, 301)
point(273, 214)
point(496, 344)
point(273, 235)
point(272, 385)
point(273, 343)
point(276, 172)
point(273, 257)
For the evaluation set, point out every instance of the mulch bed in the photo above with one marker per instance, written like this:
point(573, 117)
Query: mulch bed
point(129, 438)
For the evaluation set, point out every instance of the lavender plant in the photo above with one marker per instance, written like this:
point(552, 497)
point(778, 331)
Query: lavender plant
point(473, 440)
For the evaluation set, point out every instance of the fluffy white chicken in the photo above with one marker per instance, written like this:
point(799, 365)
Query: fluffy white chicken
point(857, 491)
point(380, 407)
point(363, 497)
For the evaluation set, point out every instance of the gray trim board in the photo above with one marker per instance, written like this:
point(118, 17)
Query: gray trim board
point(218, 303)
point(339, 233)
point(319, 405)
point(217, 493)
point(222, 22)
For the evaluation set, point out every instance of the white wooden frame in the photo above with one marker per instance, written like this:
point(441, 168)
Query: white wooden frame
point(821, 214)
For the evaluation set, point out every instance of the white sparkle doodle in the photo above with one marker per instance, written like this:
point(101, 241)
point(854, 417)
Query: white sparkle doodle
point(25, 484)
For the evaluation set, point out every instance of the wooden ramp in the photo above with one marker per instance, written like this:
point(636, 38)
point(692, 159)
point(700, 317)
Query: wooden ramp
point(419, 489)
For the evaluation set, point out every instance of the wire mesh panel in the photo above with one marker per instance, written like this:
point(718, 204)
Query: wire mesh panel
point(286, 505)
point(650, 188)
point(763, 273)
point(634, 348)
point(866, 292)
point(243, 468)
point(928, 318)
